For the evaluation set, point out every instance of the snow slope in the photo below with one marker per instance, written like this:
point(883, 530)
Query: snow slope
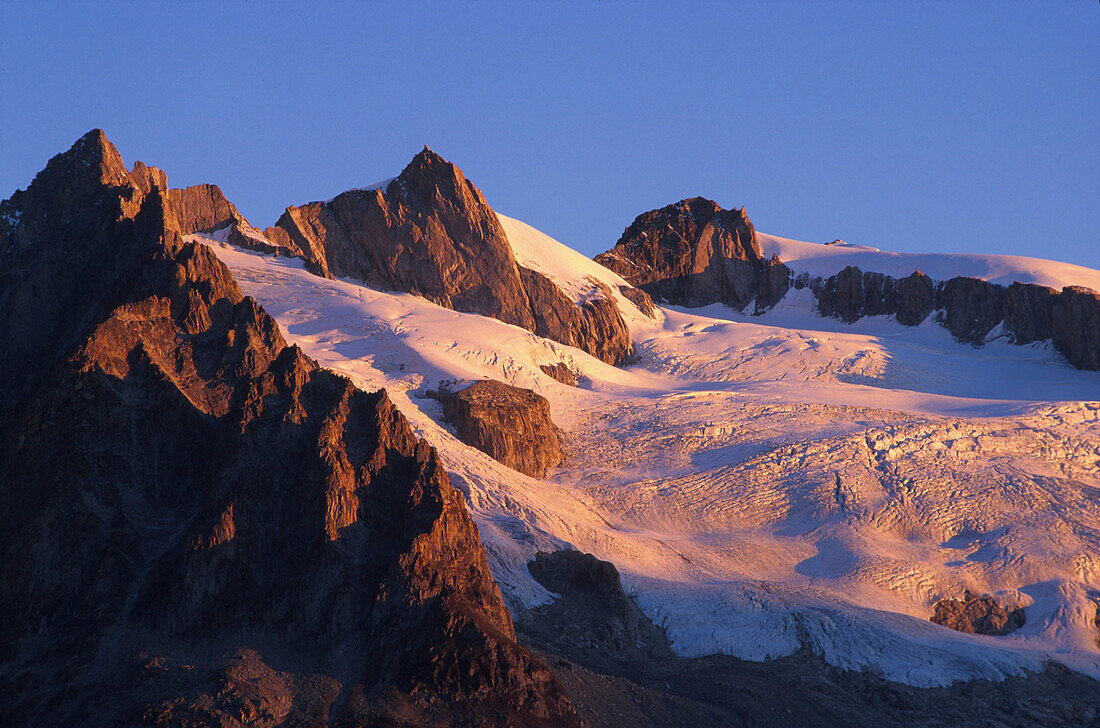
point(821, 260)
point(762, 483)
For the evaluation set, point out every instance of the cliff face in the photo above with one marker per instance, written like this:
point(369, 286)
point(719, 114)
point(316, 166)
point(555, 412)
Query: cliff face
point(969, 308)
point(695, 253)
point(510, 424)
point(203, 526)
point(430, 232)
point(1075, 326)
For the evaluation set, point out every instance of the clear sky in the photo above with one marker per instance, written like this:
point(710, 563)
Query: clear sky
point(911, 126)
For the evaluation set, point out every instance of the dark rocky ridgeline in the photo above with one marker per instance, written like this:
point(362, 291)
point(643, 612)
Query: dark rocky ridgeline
point(619, 670)
point(695, 253)
point(969, 308)
point(510, 424)
point(202, 527)
point(430, 232)
point(852, 294)
point(203, 209)
point(977, 615)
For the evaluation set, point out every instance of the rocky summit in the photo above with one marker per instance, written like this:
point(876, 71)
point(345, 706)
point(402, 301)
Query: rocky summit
point(431, 232)
point(203, 527)
point(695, 253)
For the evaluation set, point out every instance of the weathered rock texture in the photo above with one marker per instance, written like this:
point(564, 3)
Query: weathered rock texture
point(970, 308)
point(430, 232)
point(560, 372)
point(1076, 326)
point(977, 615)
point(639, 298)
point(510, 424)
point(695, 253)
point(852, 294)
point(200, 525)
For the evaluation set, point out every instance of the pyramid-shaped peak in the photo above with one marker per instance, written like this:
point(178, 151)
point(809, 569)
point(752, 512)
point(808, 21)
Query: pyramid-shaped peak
point(92, 158)
point(427, 158)
point(428, 175)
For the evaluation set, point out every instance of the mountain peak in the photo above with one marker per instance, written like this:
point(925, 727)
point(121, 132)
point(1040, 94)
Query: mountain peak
point(91, 156)
point(428, 176)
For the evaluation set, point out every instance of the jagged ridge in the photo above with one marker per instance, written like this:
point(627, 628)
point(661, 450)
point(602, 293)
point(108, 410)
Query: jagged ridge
point(176, 476)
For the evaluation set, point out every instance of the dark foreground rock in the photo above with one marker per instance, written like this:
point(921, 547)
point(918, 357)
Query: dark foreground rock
point(510, 424)
point(695, 253)
point(201, 526)
point(977, 615)
point(618, 670)
point(431, 232)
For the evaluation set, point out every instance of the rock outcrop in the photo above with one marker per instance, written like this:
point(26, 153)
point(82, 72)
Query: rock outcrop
point(852, 294)
point(592, 617)
point(431, 232)
point(203, 208)
point(695, 253)
point(619, 670)
point(1075, 326)
point(510, 424)
point(200, 524)
point(642, 300)
point(970, 307)
point(561, 372)
point(977, 615)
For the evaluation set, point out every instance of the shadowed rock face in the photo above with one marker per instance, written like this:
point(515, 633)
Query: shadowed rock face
point(969, 308)
point(510, 424)
point(430, 232)
point(619, 670)
point(1076, 326)
point(1029, 312)
point(201, 526)
point(640, 299)
point(977, 615)
point(695, 253)
point(852, 294)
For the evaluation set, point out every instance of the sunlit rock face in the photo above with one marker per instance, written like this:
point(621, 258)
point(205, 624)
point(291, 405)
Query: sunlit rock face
point(510, 424)
point(201, 525)
point(431, 232)
point(695, 253)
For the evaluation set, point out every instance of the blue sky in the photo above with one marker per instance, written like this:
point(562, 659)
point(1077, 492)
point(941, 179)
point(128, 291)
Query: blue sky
point(911, 126)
